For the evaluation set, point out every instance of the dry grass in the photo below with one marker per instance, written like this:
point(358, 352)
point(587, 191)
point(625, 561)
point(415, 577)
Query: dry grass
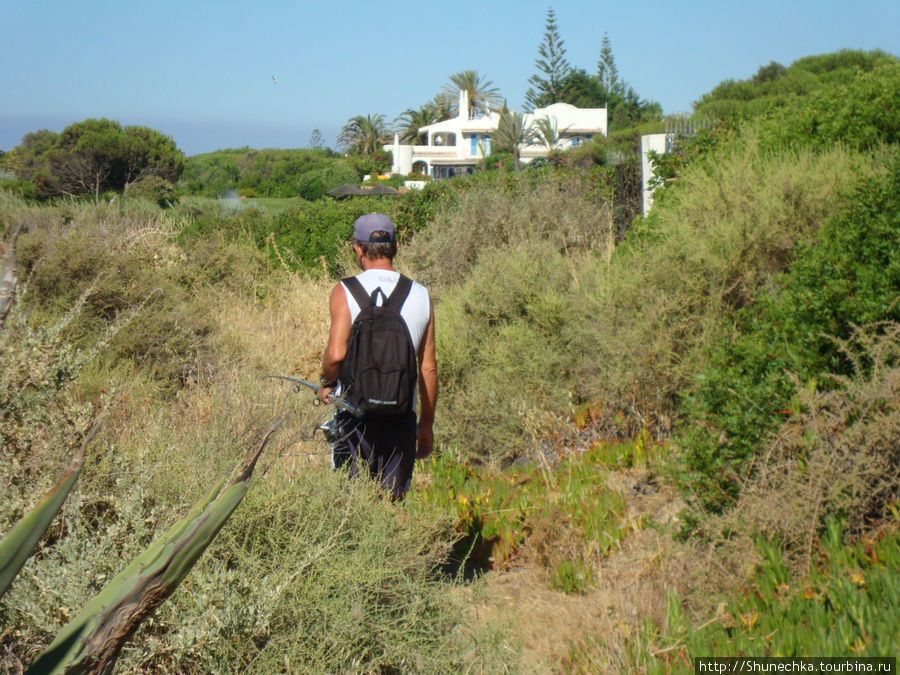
point(589, 632)
point(559, 212)
point(285, 334)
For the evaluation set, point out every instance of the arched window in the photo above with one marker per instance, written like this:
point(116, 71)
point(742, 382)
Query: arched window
point(444, 139)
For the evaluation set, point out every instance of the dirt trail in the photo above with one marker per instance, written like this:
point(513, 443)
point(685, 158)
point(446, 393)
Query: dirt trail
point(630, 584)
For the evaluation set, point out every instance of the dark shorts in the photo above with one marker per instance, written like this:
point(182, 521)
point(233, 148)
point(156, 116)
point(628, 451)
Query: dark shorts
point(386, 448)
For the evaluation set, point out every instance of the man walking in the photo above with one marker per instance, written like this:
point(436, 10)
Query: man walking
point(386, 439)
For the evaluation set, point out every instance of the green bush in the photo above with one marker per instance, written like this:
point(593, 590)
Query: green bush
point(22, 188)
point(154, 189)
point(126, 265)
point(315, 184)
point(314, 574)
point(501, 350)
point(848, 276)
point(775, 87)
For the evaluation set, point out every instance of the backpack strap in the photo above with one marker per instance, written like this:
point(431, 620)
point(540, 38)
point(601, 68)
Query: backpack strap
point(357, 291)
point(395, 301)
point(400, 293)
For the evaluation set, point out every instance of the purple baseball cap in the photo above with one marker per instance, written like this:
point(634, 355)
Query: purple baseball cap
point(373, 222)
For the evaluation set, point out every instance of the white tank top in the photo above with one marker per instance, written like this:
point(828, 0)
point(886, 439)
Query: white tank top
point(416, 311)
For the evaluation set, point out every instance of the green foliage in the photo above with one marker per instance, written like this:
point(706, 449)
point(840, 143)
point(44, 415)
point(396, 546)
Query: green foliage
point(849, 275)
point(487, 212)
point(552, 67)
point(859, 111)
point(96, 635)
point(305, 562)
point(270, 173)
point(377, 162)
point(146, 277)
point(511, 133)
point(565, 516)
point(316, 183)
point(95, 156)
point(483, 96)
point(154, 189)
point(500, 259)
point(411, 120)
point(305, 574)
point(728, 226)
point(775, 87)
point(844, 98)
point(846, 606)
point(364, 135)
point(310, 237)
point(22, 188)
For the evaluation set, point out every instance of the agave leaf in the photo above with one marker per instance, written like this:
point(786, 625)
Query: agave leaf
point(18, 544)
point(91, 641)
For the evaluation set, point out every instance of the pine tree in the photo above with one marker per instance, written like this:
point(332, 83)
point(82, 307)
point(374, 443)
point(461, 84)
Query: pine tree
point(546, 84)
point(316, 142)
point(607, 72)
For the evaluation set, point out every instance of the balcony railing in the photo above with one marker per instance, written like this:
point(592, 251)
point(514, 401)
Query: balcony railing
point(433, 151)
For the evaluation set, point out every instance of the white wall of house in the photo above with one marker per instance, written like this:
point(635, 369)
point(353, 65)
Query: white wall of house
point(465, 140)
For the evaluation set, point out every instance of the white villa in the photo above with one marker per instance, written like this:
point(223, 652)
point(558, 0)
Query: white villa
point(458, 145)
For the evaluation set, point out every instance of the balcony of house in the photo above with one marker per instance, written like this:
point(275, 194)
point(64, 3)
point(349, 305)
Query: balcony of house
point(433, 152)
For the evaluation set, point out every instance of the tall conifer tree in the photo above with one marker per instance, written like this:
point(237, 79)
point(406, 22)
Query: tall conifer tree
point(606, 68)
point(552, 66)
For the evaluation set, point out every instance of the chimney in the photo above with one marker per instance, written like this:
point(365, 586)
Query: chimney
point(464, 105)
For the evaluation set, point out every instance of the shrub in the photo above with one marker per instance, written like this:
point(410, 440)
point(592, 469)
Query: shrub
point(500, 346)
point(21, 188)
point(154, 189)
point(315, 184)
point(492, 213)
point(126, 263)
point(726, 231)
point(849, 275)
point(838, 456)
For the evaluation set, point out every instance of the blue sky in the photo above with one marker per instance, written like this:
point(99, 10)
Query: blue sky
point(202, 71)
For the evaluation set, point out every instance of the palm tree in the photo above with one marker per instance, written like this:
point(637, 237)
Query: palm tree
point(364, 135)
point(483, 97)
point(411, 121)
point(511, 132)
point(545, 130)
point(443, 106)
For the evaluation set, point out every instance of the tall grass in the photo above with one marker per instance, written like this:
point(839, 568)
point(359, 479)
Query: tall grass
point(312, 573)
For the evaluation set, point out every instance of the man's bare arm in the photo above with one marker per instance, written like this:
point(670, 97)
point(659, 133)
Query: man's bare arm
point(428, 390)
point(338, 334)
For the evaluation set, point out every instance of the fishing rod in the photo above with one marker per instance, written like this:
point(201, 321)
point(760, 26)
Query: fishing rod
point(332, 429)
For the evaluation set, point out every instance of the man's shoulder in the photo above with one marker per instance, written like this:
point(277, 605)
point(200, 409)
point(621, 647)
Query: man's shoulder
point(419, 290)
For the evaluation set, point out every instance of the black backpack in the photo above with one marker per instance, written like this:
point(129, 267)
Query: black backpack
point(379, 372)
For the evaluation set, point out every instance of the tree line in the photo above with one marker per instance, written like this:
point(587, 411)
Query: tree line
point(93, 157)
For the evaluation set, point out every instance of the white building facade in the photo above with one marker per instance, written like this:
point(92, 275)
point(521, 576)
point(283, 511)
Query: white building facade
point(459, 145)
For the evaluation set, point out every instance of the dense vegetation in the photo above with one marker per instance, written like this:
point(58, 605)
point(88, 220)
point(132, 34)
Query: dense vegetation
point(268, 173)
point(90, 158)
point(738, 346)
